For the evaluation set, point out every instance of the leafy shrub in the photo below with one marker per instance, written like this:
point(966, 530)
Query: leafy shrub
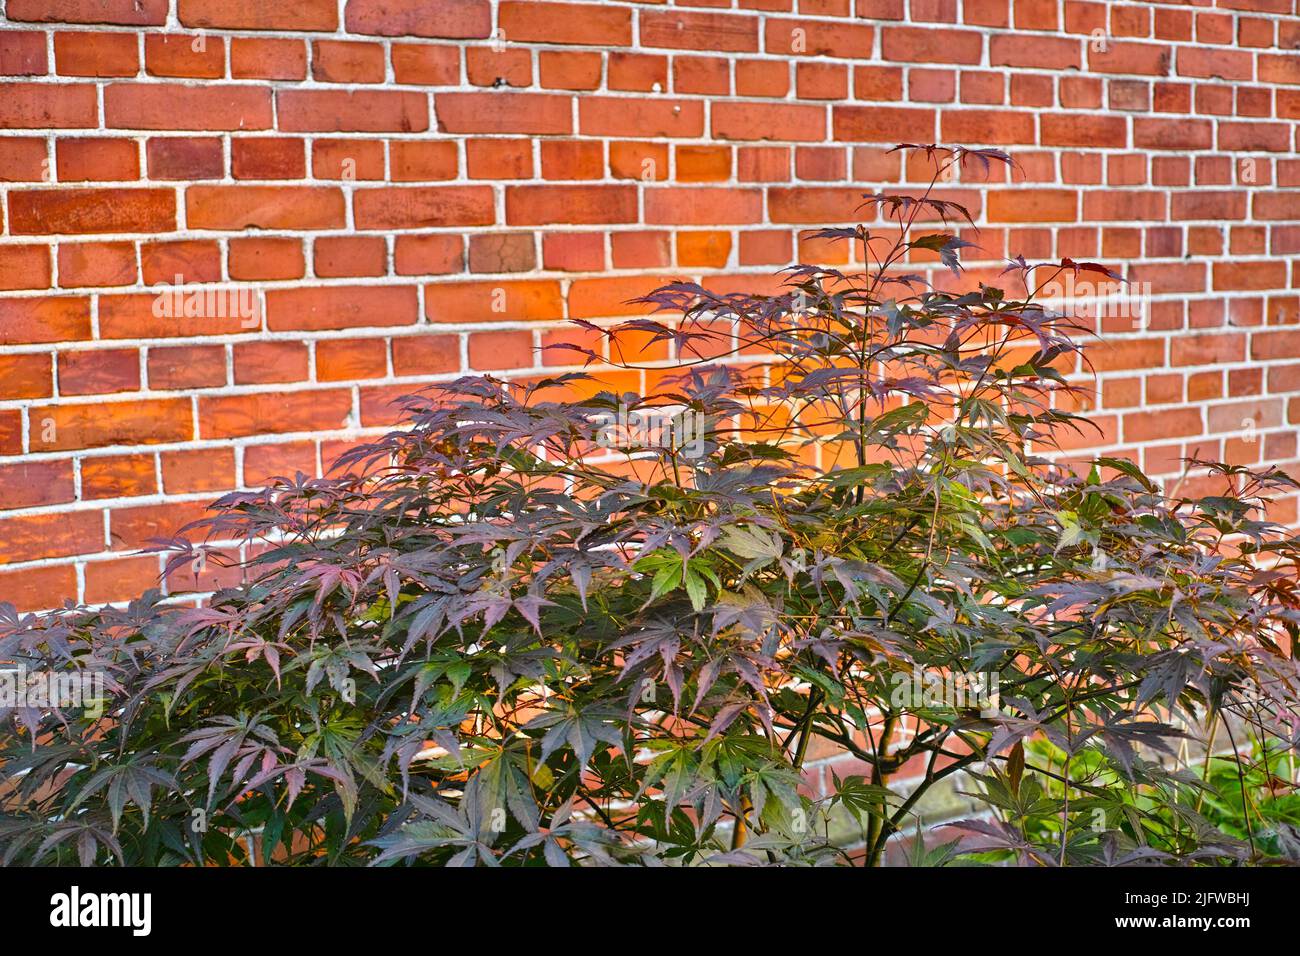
point(523, 630)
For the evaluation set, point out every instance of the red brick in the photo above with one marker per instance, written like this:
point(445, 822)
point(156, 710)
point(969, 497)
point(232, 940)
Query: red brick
point(46, 319)
point(258, 15)
point(341, 307)
point(872, 124)
point(1231, 276)
point(132, 316)
point(426, 354)
point(96, 54)
point(611, 116)
point(26, 375)
point(31, 484)
point(501, 350)
point(535, 113)
point(920, 45)
point(499, 158)
point(413, 161)
point(198, 469)
point(1033, 205)
point(352, 111)
point(273, 413)
point(183, 158)
point(690, 30)
point(172, 106)
point(493, 301)
point(132, 13)
point(1086, 130)
point(1038, 52)
point(1275, 205)
point(758, 121)
point(347, 159)
point(637, 72)
point(572, 159)
point(647, 162)
point(264, 207)
point(988, 126)
point(1200, 204)
point(1125, 205)
point(144, 525)
point(264, 463)
point(97, 160)
point(704, 206)
point(186, 366)
point(765, 247)
point(196, 56)
point(641, 250)
point(1279, 69)
point(569, 71)
point(99, 371)
point(101, 424)
point(610, 297)
point(590, 24)
point(702, 164)
point(485, 66)
point(336, 257)
point(707, 75)
point(98, 264)
point(502, 252)
point(39, 588)
point(38, 106)
point(193, 260)
point(1152, 59)
point(1216, 64)
point(266, 157)
point(22, 53)
point(814, 204)
point(1251, 136)
point(546, 205)
point(342, 360)
point(1165, 423)
point(258, 363)
point(11, 432)
point(419, 207)
point(120, 579)
point(24, 267)
point(32, 537)
point(23, 159)
point(818, 38)
point(428, 255)
point(573, 252)
point(1171, 134)
point(449, 19)
point(426, 65)
point(263, 58)
point(762, 78)
point(347, 61)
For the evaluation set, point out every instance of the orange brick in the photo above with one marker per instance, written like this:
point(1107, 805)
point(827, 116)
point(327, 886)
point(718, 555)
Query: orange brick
point(40, 588)
point(340, 360)
point(117, 476)
point(101, 424)
point(265, 413)
point(24, 267)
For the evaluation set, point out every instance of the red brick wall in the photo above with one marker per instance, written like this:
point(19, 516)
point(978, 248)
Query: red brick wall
point(401, 198)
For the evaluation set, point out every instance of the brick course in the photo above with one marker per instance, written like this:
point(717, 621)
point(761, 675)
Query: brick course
point(405, 190)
